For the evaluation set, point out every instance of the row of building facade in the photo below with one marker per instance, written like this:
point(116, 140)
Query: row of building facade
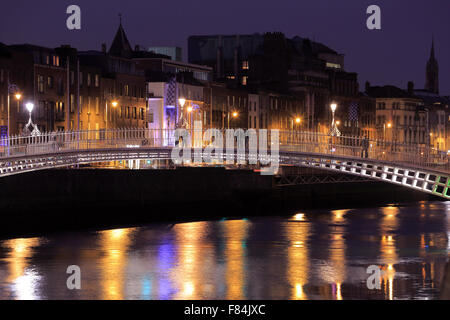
point(246, 81)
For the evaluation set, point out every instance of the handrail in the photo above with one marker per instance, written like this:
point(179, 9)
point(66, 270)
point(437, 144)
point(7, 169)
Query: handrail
point(417, 155)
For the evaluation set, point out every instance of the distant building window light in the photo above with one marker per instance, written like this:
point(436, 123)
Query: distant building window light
point(244, 80)
point(245, 65)
point(333, 65)
point(56, 61)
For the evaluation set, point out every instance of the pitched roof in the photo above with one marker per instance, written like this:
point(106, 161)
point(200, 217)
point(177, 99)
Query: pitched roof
point(120, 46)
point(389, 92)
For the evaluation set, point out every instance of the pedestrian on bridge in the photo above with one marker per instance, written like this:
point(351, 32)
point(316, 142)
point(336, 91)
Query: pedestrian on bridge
point(365, 147)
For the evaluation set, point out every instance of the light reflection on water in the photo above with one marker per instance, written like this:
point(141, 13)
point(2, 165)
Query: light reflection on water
point(311, 255)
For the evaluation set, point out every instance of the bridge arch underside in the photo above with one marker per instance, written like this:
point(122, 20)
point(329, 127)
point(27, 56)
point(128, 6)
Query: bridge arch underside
point(408, 176)
point(419, 179)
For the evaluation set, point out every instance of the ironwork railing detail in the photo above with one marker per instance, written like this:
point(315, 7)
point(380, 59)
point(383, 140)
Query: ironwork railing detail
point(413, 165)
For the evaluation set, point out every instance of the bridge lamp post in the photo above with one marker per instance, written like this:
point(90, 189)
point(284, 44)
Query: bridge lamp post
point(181, 102)
point(35, 132)
point(30, 107)
point(334, 131)
point(189, 110)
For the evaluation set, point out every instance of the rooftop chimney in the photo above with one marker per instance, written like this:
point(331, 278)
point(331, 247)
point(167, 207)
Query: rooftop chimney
point(410, 87)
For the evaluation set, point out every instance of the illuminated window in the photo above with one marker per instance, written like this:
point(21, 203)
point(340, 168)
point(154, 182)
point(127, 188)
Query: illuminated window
point(97, 105)
point(333, 65)
point(244, 80)
point(97, 132)
point(245, 65)
point(50, 82)
point(97, 80)
point(55, 61)
point(72, 103)
point(40, 84)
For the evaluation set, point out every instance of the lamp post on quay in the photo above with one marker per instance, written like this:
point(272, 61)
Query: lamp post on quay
point(114, 103)
point(12, 88)
point(234, 114)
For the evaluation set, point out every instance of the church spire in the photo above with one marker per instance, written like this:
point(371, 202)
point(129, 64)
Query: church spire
point(120, 46)
point(432, 72)
point(432, 49)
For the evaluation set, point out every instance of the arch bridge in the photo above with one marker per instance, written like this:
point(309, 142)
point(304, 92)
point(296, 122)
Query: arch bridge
point(413, 166)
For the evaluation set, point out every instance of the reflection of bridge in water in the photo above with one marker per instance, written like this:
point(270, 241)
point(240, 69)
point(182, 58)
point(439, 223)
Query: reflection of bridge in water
point(413, 166)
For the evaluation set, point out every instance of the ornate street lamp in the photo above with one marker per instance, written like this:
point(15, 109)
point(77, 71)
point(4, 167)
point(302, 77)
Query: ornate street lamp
point(35, 132)
point(181, 121)
point(234, 114)
point(114, 103)
point(334, 131)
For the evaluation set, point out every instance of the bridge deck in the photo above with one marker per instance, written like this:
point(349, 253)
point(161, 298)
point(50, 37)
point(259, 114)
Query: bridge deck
point(413, 166)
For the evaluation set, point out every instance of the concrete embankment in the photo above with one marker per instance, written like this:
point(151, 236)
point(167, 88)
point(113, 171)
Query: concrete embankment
point(44, 201)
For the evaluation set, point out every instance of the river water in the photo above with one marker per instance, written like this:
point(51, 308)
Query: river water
point(317, 254)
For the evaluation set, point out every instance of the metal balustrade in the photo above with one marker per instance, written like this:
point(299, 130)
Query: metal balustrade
point(414, 166)
point(290, 141)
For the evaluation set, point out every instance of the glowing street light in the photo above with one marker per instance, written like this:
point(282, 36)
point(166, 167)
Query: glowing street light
point(182, 101)
point(18, 96)
point(298, 120)
point(334, 131)
point(234, 114)
point(114, 103)
point(189, 109)
point(333, 107)
point(11, 89)
point(30, 107)
point(388, 125)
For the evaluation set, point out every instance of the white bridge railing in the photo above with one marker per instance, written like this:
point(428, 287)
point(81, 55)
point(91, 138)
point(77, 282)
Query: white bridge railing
point(290, 141)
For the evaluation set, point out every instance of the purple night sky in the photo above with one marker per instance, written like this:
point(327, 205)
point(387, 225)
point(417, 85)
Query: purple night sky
point(393, 55)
